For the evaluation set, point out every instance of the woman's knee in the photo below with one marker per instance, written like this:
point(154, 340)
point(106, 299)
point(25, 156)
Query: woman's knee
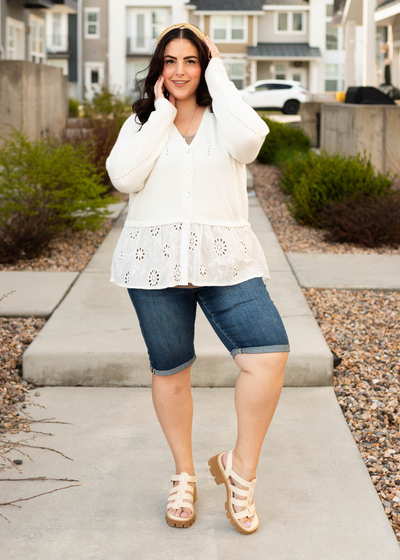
point(268, 362)
point(176, 382)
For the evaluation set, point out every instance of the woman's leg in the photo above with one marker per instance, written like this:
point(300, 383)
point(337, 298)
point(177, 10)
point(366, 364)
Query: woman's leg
point(257, 393)
point(173, 403)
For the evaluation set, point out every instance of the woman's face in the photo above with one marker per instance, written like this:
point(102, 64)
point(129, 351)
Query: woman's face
point(182, 70)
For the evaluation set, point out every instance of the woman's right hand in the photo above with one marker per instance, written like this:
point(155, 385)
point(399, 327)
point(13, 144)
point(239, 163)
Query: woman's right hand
point(159, 91)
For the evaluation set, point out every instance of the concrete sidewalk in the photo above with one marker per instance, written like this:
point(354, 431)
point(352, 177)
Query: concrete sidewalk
point(314, 496)
point(93, 338)
point(347, 272)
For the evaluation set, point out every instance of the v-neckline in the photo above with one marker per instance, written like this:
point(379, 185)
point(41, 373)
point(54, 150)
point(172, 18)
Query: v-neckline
point(196, 133)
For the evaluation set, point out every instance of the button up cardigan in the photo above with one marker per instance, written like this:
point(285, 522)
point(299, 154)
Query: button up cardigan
point(198, 190)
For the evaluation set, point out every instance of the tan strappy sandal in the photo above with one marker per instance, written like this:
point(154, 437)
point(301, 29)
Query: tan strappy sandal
point(180, 492)
point(222, 475)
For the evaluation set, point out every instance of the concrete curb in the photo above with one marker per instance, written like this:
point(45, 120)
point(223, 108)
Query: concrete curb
point(94, 339)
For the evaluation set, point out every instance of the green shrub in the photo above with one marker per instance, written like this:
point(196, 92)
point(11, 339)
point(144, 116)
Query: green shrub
point(105, 103)
point(73, 108)
point(98, 144)
point(282, 137)
point(313, 181)
point(366, 220)
point(45, 187)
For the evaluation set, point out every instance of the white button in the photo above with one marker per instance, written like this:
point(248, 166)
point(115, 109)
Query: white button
point(188, 172)
point(188, 215)
point(188, 150)
point(188, 194)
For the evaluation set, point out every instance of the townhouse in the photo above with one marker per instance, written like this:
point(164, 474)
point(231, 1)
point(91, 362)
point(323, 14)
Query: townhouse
point(372, 40)
point(258, 39)
point(41, 31)
point(111, 41)
point(387, 14)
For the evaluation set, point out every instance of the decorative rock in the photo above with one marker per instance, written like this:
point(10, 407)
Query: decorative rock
point(37, 394)
point(17, 461)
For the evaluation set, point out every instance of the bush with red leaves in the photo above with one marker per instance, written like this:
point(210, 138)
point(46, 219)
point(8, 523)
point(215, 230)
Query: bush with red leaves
point(369, 220)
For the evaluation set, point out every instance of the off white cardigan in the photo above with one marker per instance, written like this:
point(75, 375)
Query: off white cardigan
point(188, 205)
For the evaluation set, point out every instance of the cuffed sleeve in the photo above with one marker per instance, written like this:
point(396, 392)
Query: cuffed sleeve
point(137, 148)
point(243, 129)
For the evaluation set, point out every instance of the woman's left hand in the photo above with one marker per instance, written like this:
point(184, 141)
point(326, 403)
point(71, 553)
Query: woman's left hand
point(212, 48)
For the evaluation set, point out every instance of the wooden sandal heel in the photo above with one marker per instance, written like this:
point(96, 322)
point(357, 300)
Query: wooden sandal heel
point(221, 475)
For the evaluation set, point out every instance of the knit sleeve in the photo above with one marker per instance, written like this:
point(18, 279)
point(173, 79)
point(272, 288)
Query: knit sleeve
point(244, 131)
point(136, 149)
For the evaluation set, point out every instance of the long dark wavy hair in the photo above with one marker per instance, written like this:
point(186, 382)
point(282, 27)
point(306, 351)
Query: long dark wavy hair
point(144, 105)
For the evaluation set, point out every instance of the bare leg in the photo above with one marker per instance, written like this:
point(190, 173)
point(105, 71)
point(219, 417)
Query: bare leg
point(173, 403)
point(258, 389)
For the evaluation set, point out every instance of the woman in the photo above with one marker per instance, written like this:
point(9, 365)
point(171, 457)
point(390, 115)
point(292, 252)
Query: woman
point(187, 240)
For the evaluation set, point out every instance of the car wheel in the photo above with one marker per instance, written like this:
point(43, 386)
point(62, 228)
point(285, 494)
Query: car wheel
point(291, 107)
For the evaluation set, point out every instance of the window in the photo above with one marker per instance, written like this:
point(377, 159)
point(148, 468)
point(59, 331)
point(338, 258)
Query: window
point(220, 25)
point(297, 22)
point(280, 86)
point(158, 22)
point(140, 37)
point(92, 23)
point(36, 39)
point(262, 87)
point(280, 71)
point(94, 78)
point(135, 72)
point(331, 77)
point(229, 28)
point(56, 38)
point(334, 37)
point(237, 28)
point(143, 27)
point(290, 22)
point(236, 72)
point(331, 37)
point(283, 23)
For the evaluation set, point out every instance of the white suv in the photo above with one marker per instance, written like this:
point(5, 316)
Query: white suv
point(282, 95)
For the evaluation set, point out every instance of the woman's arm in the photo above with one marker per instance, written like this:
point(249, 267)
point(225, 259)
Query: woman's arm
point(244, 131)
point(136, 149)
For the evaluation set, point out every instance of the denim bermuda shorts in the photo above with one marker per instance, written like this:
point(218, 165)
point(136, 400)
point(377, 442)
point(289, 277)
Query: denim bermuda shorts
point(243, 316)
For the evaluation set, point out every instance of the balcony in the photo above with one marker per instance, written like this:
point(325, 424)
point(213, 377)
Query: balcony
point(140, 46)
point(57, 46)
point(35, 3)
point(72, 5)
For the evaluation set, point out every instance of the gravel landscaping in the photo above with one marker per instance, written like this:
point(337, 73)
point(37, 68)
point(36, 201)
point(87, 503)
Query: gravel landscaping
point(15, 336)
point(363, 329)
point(293, 237)
point(70, 251)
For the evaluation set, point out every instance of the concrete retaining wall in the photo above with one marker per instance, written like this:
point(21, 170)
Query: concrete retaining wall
point(33, 98)
point(310, 121)
point(351, 129)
